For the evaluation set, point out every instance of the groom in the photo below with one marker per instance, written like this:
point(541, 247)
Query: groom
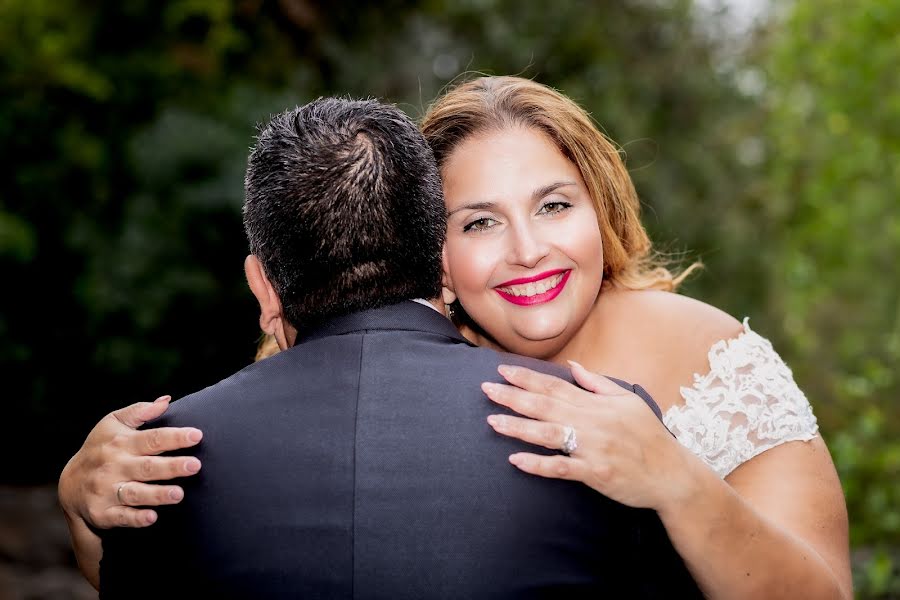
point(358, 463)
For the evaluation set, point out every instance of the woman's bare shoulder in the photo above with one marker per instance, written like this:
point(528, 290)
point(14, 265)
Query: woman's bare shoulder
point(679, 329)
point(674, 314)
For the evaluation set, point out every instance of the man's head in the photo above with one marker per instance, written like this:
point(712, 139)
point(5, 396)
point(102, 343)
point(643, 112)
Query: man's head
point(343, 211)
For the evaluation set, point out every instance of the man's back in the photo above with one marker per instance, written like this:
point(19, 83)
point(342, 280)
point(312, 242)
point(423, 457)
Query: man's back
point(359, 464)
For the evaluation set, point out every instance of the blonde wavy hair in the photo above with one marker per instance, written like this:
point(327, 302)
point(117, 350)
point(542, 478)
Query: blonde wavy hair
point(493, 103)
point(266, 347)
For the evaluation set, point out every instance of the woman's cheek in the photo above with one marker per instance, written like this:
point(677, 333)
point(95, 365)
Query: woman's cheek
point(488, 261)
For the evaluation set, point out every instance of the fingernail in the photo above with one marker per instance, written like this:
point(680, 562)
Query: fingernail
point(163, 399)
point(496, 421)
point(151, 518)
point(517, 459)
point(574, 364)
point(506, 370)
point(192, 465)
point(195, 435)
point(489, 388)
point(176, 494)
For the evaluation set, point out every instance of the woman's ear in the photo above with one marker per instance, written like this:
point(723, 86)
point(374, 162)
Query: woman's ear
point(448, 295)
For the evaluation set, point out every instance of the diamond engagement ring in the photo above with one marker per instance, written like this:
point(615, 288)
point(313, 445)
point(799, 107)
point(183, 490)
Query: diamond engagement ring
point(119, 494)
point(570, 443)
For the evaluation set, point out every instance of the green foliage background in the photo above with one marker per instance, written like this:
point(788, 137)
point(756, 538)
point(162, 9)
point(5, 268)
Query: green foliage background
point(772, 156)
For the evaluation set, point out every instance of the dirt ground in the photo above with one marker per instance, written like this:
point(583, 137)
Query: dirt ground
point(35, 560)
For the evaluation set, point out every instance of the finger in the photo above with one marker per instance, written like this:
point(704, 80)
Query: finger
point(536, 406)
point(548, 435)
point(139, 413)
point(123, 516)
point(134, 493)
point(594, 382)
point(554, 467)
point(540, 383)
point(164, 439)
point(161, 468)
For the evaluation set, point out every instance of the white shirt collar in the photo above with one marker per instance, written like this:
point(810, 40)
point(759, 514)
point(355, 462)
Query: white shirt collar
point(424, 302)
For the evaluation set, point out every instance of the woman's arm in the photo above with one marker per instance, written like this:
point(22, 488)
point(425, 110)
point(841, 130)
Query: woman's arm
point(776, 529)
point(103, 483)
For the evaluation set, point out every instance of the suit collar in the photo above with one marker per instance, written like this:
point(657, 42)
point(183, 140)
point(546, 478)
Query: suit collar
point(411, 316)
point(405, 316)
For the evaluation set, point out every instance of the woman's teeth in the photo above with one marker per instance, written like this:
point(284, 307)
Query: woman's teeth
point(534, 288)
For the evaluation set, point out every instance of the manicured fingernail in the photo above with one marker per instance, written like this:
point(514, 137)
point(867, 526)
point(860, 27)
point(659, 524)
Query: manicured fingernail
point(489, 388)
point(506, 370)
point(195, 435)
point(192, 465)
point(496, 421)
point(176, 494)
point(163, 399)
point(574, 364)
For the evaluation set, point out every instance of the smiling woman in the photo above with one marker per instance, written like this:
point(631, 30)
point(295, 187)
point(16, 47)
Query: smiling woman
point(524, 249)
point(546, 256)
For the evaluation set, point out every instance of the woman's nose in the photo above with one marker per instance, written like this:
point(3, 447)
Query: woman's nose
point(527, 247)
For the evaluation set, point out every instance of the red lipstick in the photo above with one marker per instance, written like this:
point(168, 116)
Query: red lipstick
point(537, 298)
point(534, 278)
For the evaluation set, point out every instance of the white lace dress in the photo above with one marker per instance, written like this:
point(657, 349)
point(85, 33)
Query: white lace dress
point(746, 404)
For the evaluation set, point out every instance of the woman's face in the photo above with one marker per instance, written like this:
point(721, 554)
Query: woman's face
point(523, 252)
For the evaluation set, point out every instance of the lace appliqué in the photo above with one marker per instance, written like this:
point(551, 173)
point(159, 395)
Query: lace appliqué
point(746, 404)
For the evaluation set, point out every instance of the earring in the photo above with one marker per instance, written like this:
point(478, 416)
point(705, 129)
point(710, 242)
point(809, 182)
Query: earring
point(450, 312)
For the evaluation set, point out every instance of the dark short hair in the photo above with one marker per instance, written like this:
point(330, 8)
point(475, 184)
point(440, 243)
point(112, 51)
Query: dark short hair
point(344, 209)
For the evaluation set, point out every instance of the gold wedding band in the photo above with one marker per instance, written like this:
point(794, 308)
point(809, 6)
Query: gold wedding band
point(119, 494)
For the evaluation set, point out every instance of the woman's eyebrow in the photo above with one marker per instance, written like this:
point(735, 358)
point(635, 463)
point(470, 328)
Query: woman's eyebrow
point(549, 189)
point(535, 195)
point(473, 206)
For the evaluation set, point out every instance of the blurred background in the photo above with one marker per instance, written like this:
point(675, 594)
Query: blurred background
point(764, 140)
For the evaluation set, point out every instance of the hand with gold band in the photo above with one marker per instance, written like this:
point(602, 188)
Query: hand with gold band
point(105, 482)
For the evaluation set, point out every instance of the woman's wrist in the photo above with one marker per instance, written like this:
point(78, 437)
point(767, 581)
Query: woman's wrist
point(692, 485)
point(65, 490)
point(87, 547)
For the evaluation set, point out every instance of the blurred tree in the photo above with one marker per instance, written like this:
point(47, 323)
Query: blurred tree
point(115, 292)
point(835, 132)
point(834, 96)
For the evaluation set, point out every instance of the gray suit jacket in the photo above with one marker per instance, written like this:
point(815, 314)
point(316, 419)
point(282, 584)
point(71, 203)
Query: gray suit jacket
point(359, 464)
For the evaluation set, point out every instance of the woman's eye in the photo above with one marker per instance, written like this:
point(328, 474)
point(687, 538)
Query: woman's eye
point(480, 224)
point(554, 207)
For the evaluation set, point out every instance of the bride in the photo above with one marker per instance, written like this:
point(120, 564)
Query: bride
point(545, 256)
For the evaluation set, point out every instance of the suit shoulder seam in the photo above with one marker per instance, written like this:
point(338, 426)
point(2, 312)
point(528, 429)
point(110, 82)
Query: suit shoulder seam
point(362, 341)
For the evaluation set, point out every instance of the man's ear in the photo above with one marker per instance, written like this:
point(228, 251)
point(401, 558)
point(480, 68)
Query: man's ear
point(447, 292)
point(270, 310)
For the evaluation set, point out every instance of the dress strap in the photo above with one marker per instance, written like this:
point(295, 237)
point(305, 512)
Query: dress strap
point(746, 404)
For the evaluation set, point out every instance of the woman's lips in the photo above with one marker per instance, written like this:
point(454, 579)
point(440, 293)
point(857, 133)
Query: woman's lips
point(529, 291)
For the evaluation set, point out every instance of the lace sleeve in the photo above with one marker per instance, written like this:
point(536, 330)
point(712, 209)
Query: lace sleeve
point(746, 404)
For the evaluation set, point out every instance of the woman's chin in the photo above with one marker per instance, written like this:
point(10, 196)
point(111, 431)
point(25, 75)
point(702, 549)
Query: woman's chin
point(544, 343)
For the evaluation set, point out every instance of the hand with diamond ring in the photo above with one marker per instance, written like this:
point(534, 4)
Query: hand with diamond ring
point(617, 444)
